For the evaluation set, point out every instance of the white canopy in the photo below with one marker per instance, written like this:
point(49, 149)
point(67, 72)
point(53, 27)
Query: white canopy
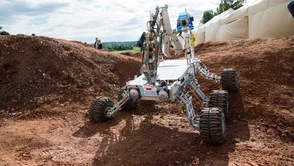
point(261, 18)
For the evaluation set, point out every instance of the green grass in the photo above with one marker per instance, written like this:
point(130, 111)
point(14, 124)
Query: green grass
point(134, 51)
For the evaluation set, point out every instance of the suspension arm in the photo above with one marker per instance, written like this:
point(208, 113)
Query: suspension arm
point(111, 110)
point(204, 72)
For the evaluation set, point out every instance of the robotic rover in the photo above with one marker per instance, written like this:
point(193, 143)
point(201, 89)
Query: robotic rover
point(164, 79)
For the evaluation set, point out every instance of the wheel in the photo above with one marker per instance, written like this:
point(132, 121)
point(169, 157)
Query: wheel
point(129, 105)
point(98, 109)
point(220, 99)
point(212, 126)
point(229, 80)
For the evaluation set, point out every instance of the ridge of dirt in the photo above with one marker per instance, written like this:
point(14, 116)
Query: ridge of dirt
point(48, 84)
point(36, 70)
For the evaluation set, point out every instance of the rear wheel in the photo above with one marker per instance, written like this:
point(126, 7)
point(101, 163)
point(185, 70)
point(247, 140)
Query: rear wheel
point(212, 125)
point(98, 109)
point(220, 99)
point(129, 105)
point(229, 80)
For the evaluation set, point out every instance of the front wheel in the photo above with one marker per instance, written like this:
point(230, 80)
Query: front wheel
point(229, 80)
point(212, 126)
point(98, 109)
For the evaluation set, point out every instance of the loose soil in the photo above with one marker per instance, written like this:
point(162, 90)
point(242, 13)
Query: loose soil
point(47, 86)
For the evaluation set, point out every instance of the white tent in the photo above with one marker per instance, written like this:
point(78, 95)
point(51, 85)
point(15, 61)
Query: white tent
point(262, 18)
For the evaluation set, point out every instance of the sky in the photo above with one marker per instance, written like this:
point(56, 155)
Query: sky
point(84, 20)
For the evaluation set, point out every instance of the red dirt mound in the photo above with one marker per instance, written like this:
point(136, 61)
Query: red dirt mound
point(48, 84)
point(266, 74)
point(37, 70)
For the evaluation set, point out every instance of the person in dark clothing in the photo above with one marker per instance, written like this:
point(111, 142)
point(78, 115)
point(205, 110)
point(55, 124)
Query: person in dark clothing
point(99, 45)
point(291, 8)
point(96, 43)
point(141, 42)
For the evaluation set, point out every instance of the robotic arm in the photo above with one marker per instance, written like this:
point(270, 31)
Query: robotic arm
point(168, 35)
point(159, 38)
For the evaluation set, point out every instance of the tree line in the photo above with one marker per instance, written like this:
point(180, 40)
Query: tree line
point(223, 6)
point(3, 32)
point(118, 46)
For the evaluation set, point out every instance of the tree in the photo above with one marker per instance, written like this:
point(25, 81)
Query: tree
point(3, 32)
point(238, 4)
point(227, 4)
point(207, 15)
point(223, 6)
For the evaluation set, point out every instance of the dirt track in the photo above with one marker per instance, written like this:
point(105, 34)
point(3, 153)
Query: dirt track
point(48, 84)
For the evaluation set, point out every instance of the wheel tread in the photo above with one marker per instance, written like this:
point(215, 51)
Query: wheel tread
point(220, 98)
point(229, 80)
point(98, 108)
point(211, 125)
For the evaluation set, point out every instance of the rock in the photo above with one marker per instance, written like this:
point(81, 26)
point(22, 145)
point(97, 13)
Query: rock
point(236, 140)
point(160, 150)
point(270, 131)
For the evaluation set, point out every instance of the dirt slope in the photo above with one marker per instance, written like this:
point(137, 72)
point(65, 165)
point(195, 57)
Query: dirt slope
point(35, 70)
point(47, 85)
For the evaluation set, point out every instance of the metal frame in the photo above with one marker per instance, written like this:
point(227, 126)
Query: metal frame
point(159, 38)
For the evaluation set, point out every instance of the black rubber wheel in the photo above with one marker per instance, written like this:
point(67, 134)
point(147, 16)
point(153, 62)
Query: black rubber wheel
point(229, 80)
point(98, 108)
point(212, 126)
point(220, 99)
point(129, 105)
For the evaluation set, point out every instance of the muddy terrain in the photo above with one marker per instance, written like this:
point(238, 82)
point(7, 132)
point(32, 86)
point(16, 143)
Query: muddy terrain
point(47, 86)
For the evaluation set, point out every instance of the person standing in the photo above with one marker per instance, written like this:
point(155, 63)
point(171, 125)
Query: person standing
point(141, 42)
point(99, 45)
point(291, 7)
point(96, 43)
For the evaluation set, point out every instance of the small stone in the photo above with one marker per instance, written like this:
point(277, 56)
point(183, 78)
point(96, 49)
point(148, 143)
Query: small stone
point(252, 140)
point(178, 162)
point(237, 140)
point(270, 131)
point(160, 150)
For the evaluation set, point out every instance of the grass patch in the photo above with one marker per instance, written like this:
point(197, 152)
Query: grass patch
point(135, 50)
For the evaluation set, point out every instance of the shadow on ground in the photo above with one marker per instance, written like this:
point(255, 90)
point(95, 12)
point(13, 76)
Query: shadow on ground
point(151, 144)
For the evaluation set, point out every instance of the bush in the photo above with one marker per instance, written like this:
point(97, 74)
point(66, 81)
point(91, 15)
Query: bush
point(4, 33)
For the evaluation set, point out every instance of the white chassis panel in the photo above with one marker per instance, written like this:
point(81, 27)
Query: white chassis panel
point(168, 70)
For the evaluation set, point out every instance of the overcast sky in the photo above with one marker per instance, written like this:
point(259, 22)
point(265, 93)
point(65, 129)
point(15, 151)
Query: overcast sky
point(83, 20)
